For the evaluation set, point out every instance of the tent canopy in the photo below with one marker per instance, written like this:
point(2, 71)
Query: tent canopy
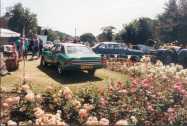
point(5, 33)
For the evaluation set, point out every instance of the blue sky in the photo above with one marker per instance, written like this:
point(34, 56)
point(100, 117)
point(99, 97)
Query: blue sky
point(89, 15)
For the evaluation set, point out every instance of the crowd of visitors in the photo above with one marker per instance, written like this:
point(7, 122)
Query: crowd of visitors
point(25, 45)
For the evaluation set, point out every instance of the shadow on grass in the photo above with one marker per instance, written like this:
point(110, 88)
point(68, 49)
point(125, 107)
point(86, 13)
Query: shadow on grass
point(69, 77)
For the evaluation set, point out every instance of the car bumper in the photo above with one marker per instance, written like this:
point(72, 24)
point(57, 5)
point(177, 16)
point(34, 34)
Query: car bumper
point(82, 66)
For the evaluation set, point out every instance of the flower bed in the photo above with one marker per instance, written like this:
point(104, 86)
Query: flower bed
point(154, 95)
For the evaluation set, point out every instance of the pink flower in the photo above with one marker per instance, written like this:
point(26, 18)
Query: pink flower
point(11, 123)
point(122, 123)
point(38, 112)
point(67, 93)
point(150, 107)
point(83, 113)
point(30, 97)
point(123, 91)
point(5, 105)
point(15, 100)
point(178, 87)
point(92, 121)
point(88, 107)
point(38, 98)
point(133, 89)
point(25, 87)
point(170, 110)
point(103, 102)
point(104, 122)
point(171, 115)
point(9, 100)
point(76, 103)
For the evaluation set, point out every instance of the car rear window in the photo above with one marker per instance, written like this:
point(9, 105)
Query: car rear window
point(78, 50)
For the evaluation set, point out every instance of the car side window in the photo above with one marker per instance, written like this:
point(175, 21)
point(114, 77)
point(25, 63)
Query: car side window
point(58, 48)
point(102, 46)
point(116, 46)
point(53, 48)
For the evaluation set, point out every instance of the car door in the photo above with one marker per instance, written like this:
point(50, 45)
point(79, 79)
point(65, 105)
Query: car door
point(56, 53)
point(47, 54)
point(101, 49)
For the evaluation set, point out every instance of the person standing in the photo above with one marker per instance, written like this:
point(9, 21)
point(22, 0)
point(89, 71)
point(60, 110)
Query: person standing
point(21, 48)
point(25, 48)
point(35, 47)
point(40, 47)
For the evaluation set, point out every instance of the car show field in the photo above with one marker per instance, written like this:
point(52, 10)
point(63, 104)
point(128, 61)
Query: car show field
point(41, 78)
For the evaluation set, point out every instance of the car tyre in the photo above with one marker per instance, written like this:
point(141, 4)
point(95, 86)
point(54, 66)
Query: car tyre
point(59, 69)
point(91, 72)
point(43, 62)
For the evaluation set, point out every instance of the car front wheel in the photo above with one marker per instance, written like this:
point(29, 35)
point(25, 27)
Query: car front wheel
point(59, 69)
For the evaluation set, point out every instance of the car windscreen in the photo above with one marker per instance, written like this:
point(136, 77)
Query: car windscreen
point(78, 50)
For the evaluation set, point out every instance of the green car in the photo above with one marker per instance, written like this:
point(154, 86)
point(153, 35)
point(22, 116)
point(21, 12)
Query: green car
point(70, 56)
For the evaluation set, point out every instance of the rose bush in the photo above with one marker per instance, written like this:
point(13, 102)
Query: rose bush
point(153, 95)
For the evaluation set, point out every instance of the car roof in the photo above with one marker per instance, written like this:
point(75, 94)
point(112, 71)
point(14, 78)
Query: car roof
point(70, 44)
point(110, 42)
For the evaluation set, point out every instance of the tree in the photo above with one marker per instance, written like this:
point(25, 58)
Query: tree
point(22, 20)
point(144, 30)
point(54, 35)
point(107, 34)
point(88, 37)
point(130, 32)
point(169, 21)
point(182, 23)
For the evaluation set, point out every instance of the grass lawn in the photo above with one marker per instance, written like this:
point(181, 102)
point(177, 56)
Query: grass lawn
point(41, 78)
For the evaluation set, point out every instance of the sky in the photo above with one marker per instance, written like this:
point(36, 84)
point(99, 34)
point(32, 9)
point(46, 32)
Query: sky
point(88, 15)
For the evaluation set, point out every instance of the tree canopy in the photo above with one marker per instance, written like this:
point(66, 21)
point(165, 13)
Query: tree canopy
point(107, 34)
point(88, 37)
point(22, 20)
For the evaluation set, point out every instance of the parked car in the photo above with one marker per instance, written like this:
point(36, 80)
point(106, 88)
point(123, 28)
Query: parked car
point(10, 56)
point(70, 56)
point(144, 48)
point(172, 55)
point(182, 57)
point(112, 49)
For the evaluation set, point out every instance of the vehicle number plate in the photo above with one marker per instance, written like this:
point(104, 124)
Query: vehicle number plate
point(86, 67)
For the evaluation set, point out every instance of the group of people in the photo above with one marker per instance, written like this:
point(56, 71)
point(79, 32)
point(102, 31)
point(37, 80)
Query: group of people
point(25, 45)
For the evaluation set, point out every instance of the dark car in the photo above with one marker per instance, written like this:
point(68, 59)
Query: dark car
point(182, 57)
point(144, 48)
point(114, 49)
point(172, 55)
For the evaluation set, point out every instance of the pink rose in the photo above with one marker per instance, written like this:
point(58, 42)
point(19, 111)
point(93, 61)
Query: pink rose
point(30, 97)
point(88, 107)
point(122, 123)
point(15, 100)
point(83, 113)
point(92, 121)
point(123, 91)
point(38, 112)
point(67, 93)
point(103, 101)
point(25, 87)
point(170, 110)
point(5, 105)
point(38, 98)
point(104, 122)
point(9, 100)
